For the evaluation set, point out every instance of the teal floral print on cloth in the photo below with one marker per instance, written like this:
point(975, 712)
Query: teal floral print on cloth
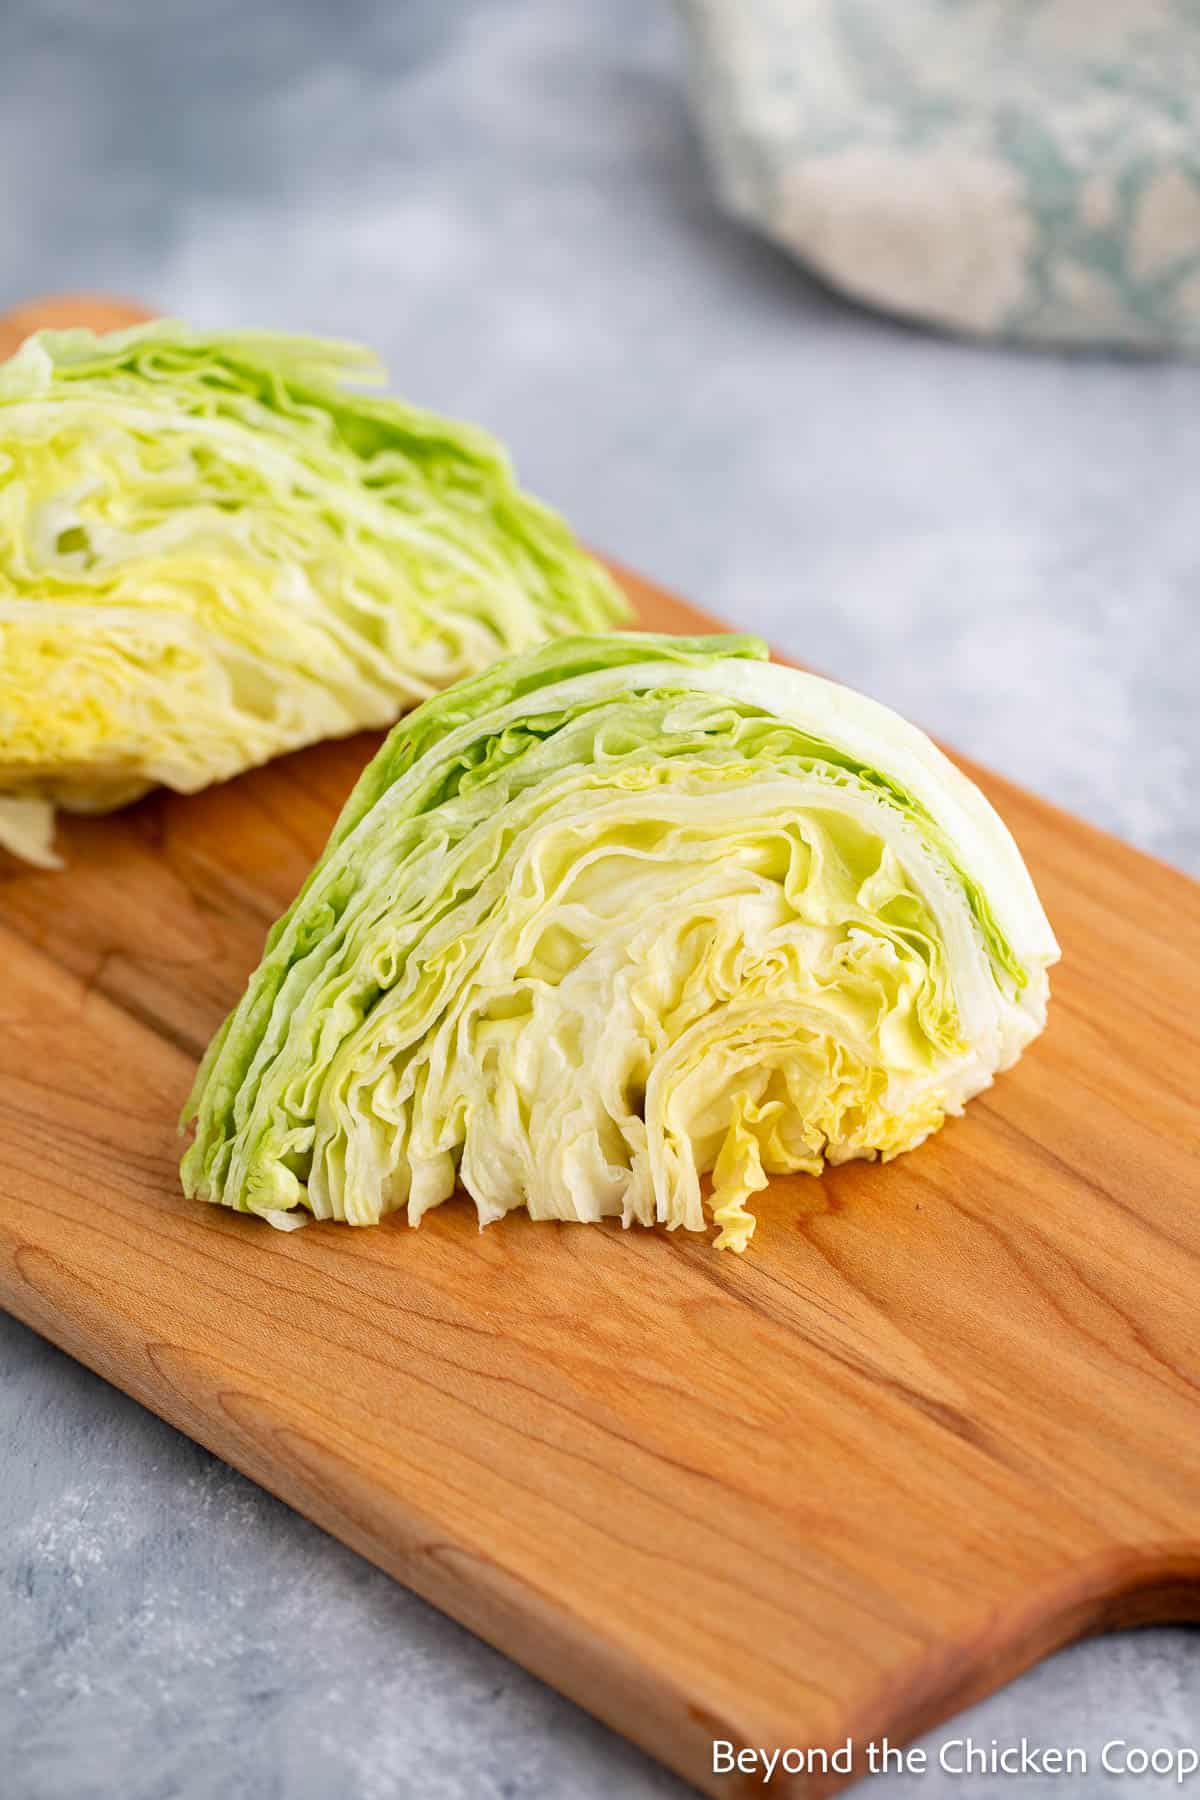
point(1025, 169)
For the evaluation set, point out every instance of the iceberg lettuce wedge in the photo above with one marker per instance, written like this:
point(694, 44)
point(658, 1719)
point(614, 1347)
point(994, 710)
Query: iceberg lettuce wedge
point(212, 550)
point(620, 914)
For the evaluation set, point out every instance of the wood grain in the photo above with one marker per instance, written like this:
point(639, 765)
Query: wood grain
point(943, 1417)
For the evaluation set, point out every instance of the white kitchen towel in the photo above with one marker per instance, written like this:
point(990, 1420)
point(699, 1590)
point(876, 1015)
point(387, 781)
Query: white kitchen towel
point(1020, 168)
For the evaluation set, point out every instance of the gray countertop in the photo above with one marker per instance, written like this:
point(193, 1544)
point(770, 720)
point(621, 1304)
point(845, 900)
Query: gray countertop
point(507, 198)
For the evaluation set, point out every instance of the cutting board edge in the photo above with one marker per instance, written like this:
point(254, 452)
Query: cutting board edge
point(509, 1614)
point(1122, 1587)
point(1118, 1589)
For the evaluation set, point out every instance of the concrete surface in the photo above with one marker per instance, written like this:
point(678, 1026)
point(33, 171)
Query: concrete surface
point(507, 198)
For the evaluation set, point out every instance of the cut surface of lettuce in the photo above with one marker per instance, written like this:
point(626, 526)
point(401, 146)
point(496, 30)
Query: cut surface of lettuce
point(622, 914)
point(212, 550)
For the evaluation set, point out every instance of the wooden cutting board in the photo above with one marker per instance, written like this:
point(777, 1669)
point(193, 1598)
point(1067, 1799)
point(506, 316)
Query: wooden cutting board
point(942, 1417)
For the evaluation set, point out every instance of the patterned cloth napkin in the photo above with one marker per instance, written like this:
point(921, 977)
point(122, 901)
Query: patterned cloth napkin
point(1020, 168)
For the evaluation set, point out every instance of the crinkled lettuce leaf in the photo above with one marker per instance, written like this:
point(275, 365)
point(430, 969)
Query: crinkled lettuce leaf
point(212, 550)
point(621, 928)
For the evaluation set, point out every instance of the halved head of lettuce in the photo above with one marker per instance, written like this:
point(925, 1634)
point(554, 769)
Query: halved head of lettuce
point(212, 550)
point(620, 914)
